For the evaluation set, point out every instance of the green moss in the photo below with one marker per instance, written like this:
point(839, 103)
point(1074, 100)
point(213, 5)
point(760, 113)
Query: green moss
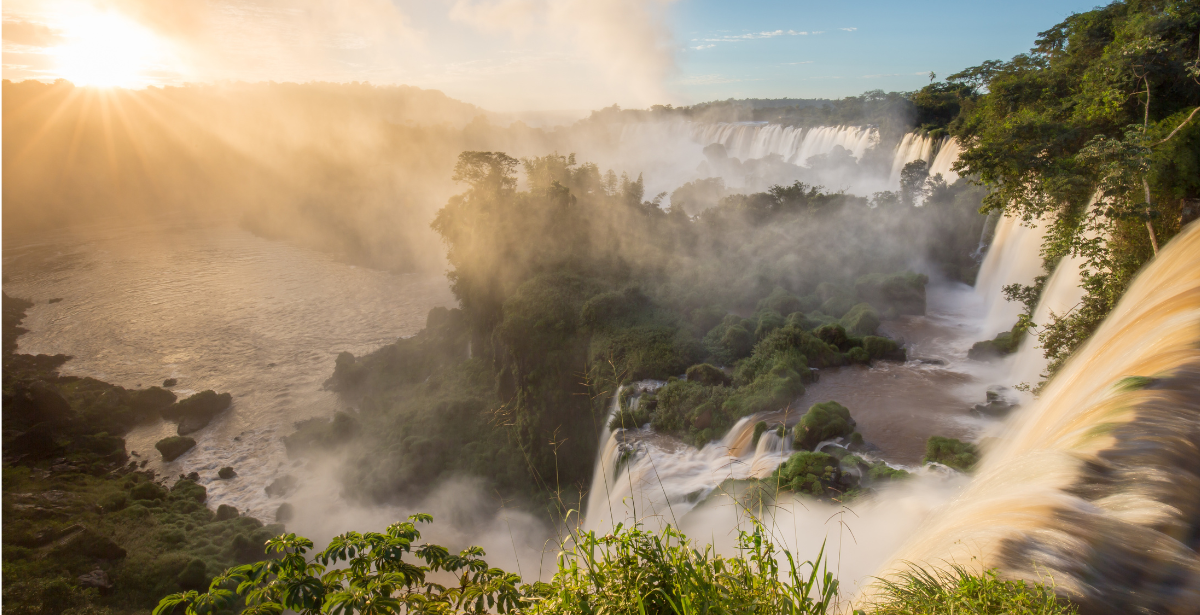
point(174, 446)
point(809, 473)
point(950, 452)
point(822, 422)
point(759, 429)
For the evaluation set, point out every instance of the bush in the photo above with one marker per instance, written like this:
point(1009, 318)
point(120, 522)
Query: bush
point(957, 590)
point(759, 429)
point(194, 576)
point(114, 502)
point(882, 348)
point(174, 446)
point(226, 512)
point(707, 374)
point(862, 319)
point(950, 452)
point(823, 421)
point(147, 491)
point(834, 335)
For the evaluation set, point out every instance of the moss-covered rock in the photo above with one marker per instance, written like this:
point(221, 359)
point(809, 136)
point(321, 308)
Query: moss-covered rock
point(882, 348)
point(951, 452)
point(834, 335)
point(809, 473)
point(195, 412)
point(1001, 346)
point(226, 473)
point(174, 446)
point(147, 490)
point(226, 512)
point(759, 429)
point(153, 400)
point(822, 422)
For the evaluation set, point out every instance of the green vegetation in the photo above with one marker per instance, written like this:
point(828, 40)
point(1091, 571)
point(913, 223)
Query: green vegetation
point(823, 421)
point(617, 289)
point(629, 571)
point(84, 531)
point(1002, 345)
point(1105, 105)
point(951, 453)
point(959, 591)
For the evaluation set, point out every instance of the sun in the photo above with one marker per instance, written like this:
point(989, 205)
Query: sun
point(107, 50)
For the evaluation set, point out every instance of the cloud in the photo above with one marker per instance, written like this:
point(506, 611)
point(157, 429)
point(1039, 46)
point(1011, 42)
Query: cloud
point(733, 38)
point(627, 40)
point(795, 63)
point(923, 73)
point(848, 29)
point(30, 34)
point(708, 46)
point(711, 79)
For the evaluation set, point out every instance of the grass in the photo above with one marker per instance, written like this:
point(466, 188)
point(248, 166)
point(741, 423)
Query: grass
point(957, 590)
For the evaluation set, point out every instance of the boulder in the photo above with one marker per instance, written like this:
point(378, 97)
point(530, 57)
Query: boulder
point(152, 401)
point(284, 513)
point(226, 473)
point(174, 446)
point(823, 421)
point(951, 453)
point(96, 578)
point(195, 412)
point(170, 382)
point(226, 512)
point(999, 403)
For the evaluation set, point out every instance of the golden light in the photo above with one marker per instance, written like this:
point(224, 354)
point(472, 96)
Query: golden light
point(106, 49)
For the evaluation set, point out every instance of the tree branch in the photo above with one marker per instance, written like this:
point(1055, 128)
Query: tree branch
point(1181, 125)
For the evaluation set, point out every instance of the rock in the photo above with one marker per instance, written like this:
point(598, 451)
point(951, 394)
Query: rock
point(823, 421)
point(226, 473)
point(54, 300)
point(284, 513)
point(281, 486)
point(152, 401)
point(96, 578)
point(195, 412)
point(226, 512)
point(999, 403)
point(193, 476)
point(170, 382)
point(174, 446)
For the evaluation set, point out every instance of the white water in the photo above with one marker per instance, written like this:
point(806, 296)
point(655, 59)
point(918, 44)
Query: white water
point(752, 140)
point(1013, 258)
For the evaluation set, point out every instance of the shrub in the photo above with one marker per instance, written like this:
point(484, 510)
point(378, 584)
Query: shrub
point(822, 422)
point(858, 355)
point(194, 575)
point(226, 512)
point(114, 502)
point(147, 491)
point(707, 374)
point(759, 429)
point(174, 446)
point(882, 348)
point(767, 322)
point(832, 334)
point(951, 452)
point(862, 319)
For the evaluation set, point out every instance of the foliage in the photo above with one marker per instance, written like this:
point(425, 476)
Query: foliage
point(956, 590)
point(631, 570)
point(1093, 133)
point(951, 453)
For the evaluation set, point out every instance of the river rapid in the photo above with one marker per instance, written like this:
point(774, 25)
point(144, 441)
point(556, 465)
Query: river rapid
point(214, 307)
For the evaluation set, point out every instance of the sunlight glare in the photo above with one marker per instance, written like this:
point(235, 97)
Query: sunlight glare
point(106, 49)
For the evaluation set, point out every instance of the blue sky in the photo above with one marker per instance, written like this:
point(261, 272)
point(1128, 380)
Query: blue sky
point(862, 45)
point(514, 55)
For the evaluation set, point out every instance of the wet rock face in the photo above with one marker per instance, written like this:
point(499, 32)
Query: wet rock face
point(281, 486)
point(96, 578)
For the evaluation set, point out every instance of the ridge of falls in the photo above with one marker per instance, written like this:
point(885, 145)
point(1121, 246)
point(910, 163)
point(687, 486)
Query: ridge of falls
point(795, 145)
point(1014, 258)
point(1097, 484)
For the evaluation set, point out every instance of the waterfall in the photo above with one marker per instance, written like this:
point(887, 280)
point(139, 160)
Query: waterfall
point(747, 140)
point(912, 147)
point(1014, 258)
point(946, 157)
point(640, 477)
point(1095, 485)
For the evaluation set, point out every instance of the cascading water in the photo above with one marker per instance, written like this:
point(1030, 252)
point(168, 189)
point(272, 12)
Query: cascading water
point(641, 477)
point(912, 147)
point(946, 157)
point(1014, 258)
point(1097, 484)
point(746, 140)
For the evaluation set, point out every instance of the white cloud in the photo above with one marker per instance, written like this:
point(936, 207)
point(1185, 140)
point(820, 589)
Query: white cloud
point(848, 29)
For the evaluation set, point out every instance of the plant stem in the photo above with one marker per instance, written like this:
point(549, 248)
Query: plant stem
point(1149, 224)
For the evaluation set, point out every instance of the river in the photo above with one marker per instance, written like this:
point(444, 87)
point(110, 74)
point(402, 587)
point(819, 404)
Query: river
point(214, 307)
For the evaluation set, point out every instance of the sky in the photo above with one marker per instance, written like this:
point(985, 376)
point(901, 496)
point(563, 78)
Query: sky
point(524, 55)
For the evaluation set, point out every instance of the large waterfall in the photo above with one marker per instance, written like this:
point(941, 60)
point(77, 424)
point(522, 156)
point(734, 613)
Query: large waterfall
point(1097, 484)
